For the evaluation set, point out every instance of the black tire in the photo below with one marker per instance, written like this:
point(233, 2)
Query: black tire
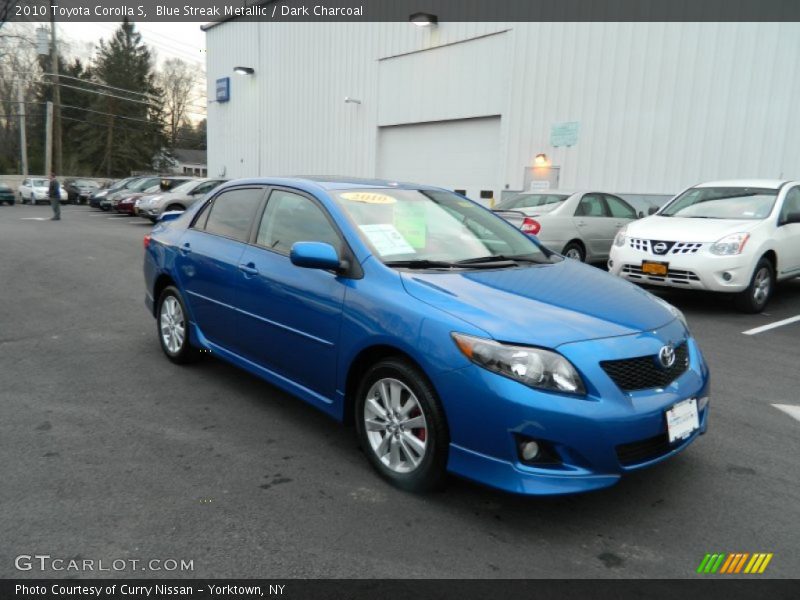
point(576, 249)
point(762, 284)
point(430, 473)
point(186, 353)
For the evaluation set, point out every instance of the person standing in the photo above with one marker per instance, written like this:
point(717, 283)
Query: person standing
point(54, 191)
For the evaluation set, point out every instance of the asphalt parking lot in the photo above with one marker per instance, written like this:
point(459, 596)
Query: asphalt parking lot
point(109, 451)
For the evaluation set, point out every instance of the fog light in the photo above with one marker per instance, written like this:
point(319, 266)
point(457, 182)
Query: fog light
point(530, 450)
point(727, 276)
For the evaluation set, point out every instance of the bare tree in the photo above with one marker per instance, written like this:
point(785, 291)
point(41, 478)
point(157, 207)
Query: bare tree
point(178, 80)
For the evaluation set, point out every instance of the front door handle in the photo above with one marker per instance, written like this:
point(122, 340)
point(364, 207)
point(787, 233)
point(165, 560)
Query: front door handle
point(186, 249)
point(581, 223)
point(249, 269)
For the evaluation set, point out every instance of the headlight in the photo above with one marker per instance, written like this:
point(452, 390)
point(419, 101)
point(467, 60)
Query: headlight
point(619, 241)
point(535, 367)
point(730, 244)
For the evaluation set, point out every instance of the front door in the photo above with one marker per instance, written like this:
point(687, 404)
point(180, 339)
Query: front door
point(291, 315)
point(595, 225)
point(787, 236)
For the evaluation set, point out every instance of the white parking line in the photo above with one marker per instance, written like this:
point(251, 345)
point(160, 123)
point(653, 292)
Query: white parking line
point(764, 328)
point(34, 218)
point(792, 411)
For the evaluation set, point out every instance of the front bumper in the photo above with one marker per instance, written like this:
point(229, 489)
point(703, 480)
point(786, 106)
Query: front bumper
point(699, 271)
point(591, 436)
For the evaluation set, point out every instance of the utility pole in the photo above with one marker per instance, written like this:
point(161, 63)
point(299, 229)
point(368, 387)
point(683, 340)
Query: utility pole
point(48, 140)
point(56, 130)
point(23, 142)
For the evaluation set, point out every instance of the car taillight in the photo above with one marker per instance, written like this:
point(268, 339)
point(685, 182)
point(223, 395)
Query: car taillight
point(531, 226)
point(146, 241)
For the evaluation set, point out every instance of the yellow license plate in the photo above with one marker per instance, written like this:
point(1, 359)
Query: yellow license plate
point(655, 268)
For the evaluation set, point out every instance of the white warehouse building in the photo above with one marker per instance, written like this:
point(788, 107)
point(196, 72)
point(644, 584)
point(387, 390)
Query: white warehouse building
point(639, 109)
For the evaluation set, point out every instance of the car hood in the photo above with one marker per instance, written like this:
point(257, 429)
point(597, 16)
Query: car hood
point(684, 229)
point(544, 305)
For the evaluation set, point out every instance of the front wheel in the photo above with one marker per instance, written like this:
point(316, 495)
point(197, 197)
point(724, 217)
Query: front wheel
point(758, 293)
point(401, 425)
point(173, 327)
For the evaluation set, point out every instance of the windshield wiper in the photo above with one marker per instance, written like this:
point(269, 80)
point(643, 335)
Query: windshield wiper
point(499, 258)
point(420, 263)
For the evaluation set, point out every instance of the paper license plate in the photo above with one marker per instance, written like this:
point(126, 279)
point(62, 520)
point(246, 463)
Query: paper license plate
point(682, 420)
point(655, 268)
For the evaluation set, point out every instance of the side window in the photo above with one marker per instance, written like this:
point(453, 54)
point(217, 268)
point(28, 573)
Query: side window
point(204, 188)
point(232, 213)
point(619, 208)
point(291, 218)
point(791, 203)
point(591, 205)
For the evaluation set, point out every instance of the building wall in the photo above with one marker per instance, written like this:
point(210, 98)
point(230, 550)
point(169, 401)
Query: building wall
point(660, 105)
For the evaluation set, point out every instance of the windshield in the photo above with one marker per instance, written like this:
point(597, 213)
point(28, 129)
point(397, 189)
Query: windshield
point(39, 183)
point(185, 187)
point(407, 226)
point(723, 203)
point(530, 201)
point(143, 184)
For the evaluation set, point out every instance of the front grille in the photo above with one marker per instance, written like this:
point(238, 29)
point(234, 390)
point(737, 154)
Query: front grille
point(643, 450)
point(645, 372)
point(669, 248)
point(673, 275)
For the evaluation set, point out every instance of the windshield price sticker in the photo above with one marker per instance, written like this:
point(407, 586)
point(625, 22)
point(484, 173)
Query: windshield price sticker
point(387, 240)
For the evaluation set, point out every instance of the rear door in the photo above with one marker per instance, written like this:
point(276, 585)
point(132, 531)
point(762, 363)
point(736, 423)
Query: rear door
point(595, 225)
point(292, 315)
point(209, 258)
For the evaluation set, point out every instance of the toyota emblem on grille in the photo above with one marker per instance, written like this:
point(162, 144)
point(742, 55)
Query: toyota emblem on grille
point(660, 248)
point(666, 356)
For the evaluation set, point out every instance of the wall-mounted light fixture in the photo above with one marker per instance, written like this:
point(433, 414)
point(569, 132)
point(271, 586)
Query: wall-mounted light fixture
point(349, 100)
point(541, 160)
point(421, 19)
point(244, 70)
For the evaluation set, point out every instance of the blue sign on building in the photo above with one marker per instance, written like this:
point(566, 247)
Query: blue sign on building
point(223, 89)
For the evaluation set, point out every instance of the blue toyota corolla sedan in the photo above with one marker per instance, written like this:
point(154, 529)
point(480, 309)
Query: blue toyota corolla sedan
point(451, 339)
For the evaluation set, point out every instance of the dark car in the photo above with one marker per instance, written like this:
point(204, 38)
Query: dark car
point(80, 190)
point(6, 194)
point(97, 197)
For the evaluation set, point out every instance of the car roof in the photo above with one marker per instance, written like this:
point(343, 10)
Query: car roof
point(336, 182)
point(751, 183)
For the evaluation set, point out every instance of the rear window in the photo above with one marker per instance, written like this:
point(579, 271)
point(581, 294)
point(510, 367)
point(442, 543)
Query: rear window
point(232, 213)
point(530, 201)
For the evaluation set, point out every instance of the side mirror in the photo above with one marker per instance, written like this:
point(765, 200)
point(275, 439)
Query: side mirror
point(640, 214)
point(315, 255)
point(792, 217)
point(169, 216)
point(652, 210)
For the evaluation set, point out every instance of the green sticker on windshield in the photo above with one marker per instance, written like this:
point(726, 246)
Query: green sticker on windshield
point(410, 219)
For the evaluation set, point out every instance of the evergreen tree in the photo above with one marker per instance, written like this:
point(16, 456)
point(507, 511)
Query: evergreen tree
point(130, 132)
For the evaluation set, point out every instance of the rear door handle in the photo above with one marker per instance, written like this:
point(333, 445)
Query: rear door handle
point(186, 249)
point(248, 269)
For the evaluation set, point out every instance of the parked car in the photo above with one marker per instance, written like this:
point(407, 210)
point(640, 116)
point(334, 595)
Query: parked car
point(454, 341)
point(179, 198)
point(579, 225)
point(6, 194)
point(126, 204)
point(33, 190)
point(136, 184)
point(80, 190)
point(739, 237)
point(97, 197)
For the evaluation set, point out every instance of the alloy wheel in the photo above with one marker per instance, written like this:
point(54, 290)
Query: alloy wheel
point(173, 325)
point(395, 425)
point(762, 283)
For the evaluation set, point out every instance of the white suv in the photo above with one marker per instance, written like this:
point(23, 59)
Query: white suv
point(724, 236)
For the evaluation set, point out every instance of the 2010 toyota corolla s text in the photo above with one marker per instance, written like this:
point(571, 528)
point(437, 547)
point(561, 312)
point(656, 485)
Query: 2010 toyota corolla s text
point(453, 341)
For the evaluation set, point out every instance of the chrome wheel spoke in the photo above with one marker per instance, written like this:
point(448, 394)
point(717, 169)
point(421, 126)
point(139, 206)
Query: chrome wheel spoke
point(394, 453)
point(375, 425)
point(417, 422)
point(376, 409)
point(416, 444)
point(383, 447)
point(414, 458)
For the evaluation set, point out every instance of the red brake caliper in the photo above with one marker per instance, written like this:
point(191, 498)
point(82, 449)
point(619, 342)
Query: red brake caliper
point(420, 431)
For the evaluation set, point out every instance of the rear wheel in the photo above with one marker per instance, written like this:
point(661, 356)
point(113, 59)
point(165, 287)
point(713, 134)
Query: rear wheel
point(758, 293)
point(401, 425)
point(574, 251)
point(173, 327)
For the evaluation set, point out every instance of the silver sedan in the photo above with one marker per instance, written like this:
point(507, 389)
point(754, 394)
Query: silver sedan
point(579, 225)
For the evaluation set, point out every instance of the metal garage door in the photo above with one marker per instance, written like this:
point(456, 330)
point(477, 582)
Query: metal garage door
point(459, 155)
